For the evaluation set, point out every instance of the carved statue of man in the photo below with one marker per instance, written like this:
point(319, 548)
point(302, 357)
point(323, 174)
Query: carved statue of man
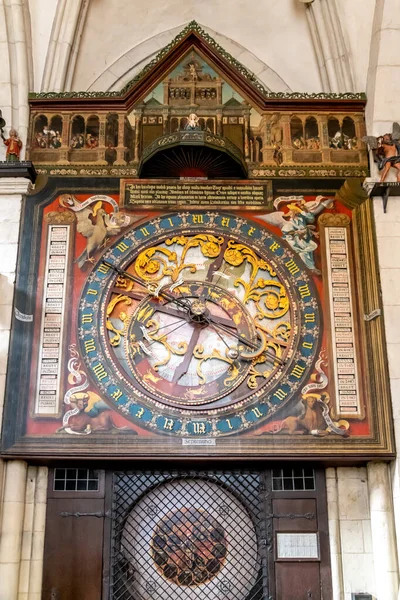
point(386, 149)
point(14, 146)
point(276, 130)
point(193, 72)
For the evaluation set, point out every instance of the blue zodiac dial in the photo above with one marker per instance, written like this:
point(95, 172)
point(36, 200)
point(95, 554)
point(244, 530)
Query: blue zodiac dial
point(199, 324)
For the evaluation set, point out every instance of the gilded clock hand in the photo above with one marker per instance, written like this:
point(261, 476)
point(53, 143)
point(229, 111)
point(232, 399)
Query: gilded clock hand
point(232, 333)
point(150, 288)
point(180, 302)
point(151, 341)
point(183, 367)
point(219, 335)
point(164, 294)
point(258, 350)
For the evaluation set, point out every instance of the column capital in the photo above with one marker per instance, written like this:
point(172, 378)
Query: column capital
point(21, 170)
point(15, 186)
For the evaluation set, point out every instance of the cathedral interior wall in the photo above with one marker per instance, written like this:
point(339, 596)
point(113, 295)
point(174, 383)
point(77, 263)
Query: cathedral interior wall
point(97, 44)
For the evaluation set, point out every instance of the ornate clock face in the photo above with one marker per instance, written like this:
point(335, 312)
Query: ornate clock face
point(199, 324)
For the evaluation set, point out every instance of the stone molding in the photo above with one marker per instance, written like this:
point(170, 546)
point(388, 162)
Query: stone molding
point(147, 50)
point(64, 44)
point(22, 526)
point(16, 57)
point(383, 531)
point(15, 186)
point(330, 49)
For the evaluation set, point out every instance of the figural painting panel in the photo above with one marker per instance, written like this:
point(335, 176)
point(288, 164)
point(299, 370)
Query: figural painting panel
point(175, 331)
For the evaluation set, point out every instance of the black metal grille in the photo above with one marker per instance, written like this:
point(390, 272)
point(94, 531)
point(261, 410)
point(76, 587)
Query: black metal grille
point(188, 536)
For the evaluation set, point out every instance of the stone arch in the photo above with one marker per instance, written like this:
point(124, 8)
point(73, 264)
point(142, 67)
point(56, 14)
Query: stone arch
point(329, 45)
point(124, 69)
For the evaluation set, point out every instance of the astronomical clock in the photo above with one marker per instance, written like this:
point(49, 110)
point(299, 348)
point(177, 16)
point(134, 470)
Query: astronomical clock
point(191, 276)
point(199, 324)
point(218, 331)
point(197, 287)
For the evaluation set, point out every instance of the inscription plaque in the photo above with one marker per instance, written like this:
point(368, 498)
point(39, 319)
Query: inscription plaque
point(297, 545)
point(196, 194)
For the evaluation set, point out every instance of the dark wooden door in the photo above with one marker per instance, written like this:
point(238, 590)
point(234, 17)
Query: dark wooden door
point(78, 537)
point(73, 554)
point(300, 565)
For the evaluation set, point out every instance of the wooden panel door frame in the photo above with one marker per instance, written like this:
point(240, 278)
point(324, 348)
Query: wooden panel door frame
point(88, 509)
point(107, 535)
point(272, 527)
point(268, 531)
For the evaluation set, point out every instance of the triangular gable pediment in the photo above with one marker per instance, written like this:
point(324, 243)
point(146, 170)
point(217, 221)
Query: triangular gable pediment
point(193, 39)
point(193, 81)
point(193, 45)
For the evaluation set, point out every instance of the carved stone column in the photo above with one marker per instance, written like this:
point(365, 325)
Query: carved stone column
point(360, 133)
point(138, 118)
point(287, 140)
point(382, 527)
point(65, 148)
point(22, 531)
point(219, 93)
point(324, 138)
point(166, 92)
point(246, 137)
point(11, 528)
point(267, 150)
point(31, 568)
point(165, 121)
point(330, 49)
point(121, 148)
point(219, 122)
point(102, 139)
point(334, 534)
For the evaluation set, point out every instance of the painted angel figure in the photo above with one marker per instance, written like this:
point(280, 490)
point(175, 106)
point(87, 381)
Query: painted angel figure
point(297, 225)
point(386, 149)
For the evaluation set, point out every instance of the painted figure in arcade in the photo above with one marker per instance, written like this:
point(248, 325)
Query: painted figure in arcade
point(192, 123)
point(14, 145)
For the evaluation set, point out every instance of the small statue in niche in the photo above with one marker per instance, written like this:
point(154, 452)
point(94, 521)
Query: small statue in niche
point(92, 141)
point(77, 142)
point(336, 141)
point(298, 143)
point(278, 155)
point(386, 149)
point(350, 143)
point(193, 72)
point(56, 141)
point(14, 145)
point(192, 123)
point(312, 143)
point(275, 130)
